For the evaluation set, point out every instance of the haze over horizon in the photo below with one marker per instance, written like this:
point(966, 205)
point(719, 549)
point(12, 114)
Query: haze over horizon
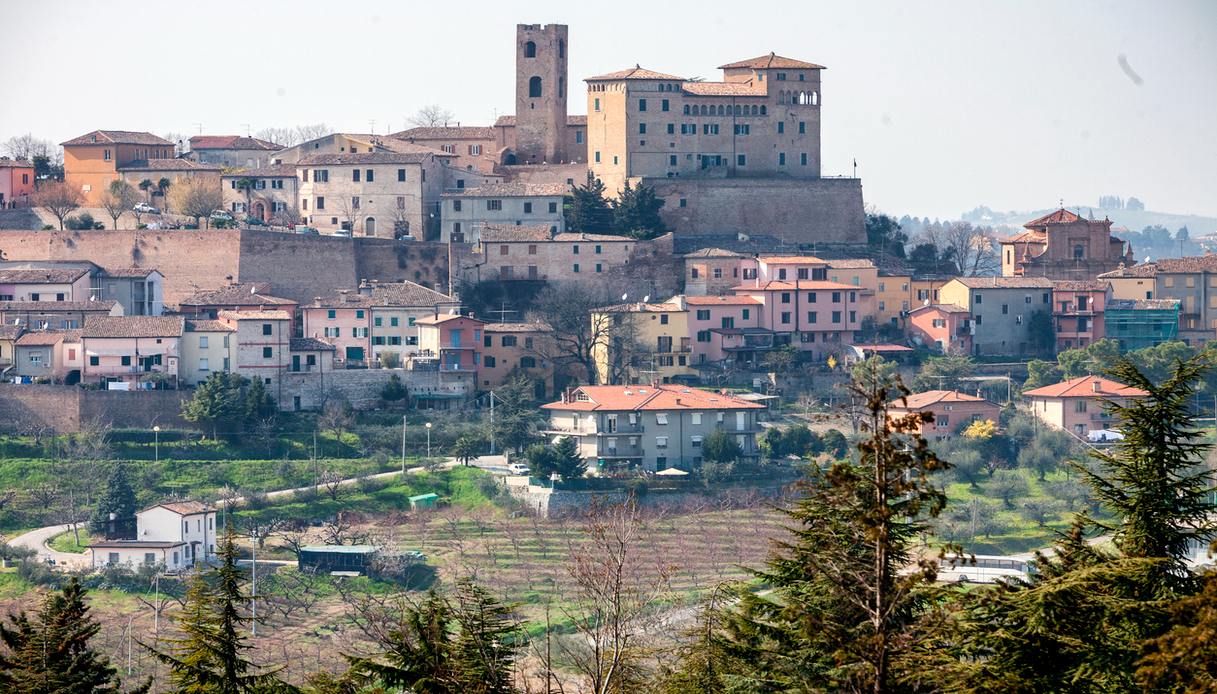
point(945, 106)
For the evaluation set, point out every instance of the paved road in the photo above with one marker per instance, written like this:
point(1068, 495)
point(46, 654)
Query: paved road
point(37, 539)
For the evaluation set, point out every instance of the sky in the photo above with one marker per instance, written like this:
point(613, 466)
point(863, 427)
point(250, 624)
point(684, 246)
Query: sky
point(944, 105)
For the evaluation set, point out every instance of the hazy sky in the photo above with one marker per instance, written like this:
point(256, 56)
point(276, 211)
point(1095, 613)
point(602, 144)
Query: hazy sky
point(945, 105)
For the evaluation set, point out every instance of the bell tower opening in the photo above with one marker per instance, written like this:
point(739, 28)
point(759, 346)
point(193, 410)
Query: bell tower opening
point(541, 72)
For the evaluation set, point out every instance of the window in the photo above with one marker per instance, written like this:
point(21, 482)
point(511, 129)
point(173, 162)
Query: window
point(106, 155)
point(456, 205)
point(508, 341)
point(320, 202)
point(741, 160)
point(574, 250)
point(488, 361)
point(528, 208)
point(741, 129)
point(781, 159)
point(642, 128)
point(355, 175)
point(663, 106)
point(695, 418)
point(267, 329)
point(369, 176)
point(359, 313)
point(596, 105)
point(642, 104)
point(663, 318)
point(661, 442)
point(528, 362)
point(268, 352)
point(494, 205)
point(597, 155)
point(785, 297)
point(781, 127)
point(703, 335)
point(803, 159)
point(576, 267)
point(553, 208)
point(126, 361)
point(202, 342)
point(94, 361)
point(579, 133)
point(331, 314)
point(695, 441)
point(785, 317)
point(836, 316)
point(811, 316)
point(530, 50)
point(534, 87)
point(661, 418)
point(671, 160)
point(802, 128)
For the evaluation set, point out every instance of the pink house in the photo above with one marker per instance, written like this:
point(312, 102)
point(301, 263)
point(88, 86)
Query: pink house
point(128, 348)
point(1077, 405)
point(818, 317)
point(1077, 312)
point(455, 340)
point(718, 324)
point(342, 321)
point(16, 182)
point(946, 328)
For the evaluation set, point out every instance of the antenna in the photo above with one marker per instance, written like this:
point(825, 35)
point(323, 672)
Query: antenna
point(372, 126)
point(246, 129)
point(200, 127)
point(646, 298)
point(253, 289)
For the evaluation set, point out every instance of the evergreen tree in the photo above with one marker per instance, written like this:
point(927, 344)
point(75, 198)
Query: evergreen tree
point(118, 500)
point(720, 447)
point(567, 461)
point(259, 405)
point(418, 653)
point(636, 212)
point(50, 652)
point(587, 209)
point(487, 641)
point(515, 416)
point(209, 657)
point(216, 402)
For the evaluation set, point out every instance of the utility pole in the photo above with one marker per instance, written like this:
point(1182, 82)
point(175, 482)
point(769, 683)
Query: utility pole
point(253, 595)
point(403, 445)
point(492, 422)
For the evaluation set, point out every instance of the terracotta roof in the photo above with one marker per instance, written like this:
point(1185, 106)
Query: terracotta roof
point(184, 508)
point(1085, 387)
point(722, 301)
point(118, 137)
point(1061, 216)
point(1142, 304)
point(723, 89)
point(917, 401)
point(100, 306)
point(517, 328)
point(309, 344)
point(42, 275)
point(406, 293)
point(43, 338)
point(1195, 263)
point(231, 142)
point(635, 73)
point(510, 190)
point(135, 544)
point(654, 398)
point(772, 61)
point(1142, 270)
point(851, 263)
point(347, 158)
point(1005, 282)
point(1028, 236)
point(167, 165)
point(208, 326)
point(133, 326)
point(447, 132)
point(1080, 285)
point(571, 236)
point(247, 294)
point(10, 332)
point(403, 147)
point(264, 172)
point(255, 315)
point(498, 233)
point(945, 308)
point(713, 253)
point(639, 307)
point(789, 259)
point(510, 121)
point(129, 272)
point(6, 163)
point(444, 318)
point(776, 285)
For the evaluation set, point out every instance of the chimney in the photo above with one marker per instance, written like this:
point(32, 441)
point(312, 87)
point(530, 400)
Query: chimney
point(365, 289)
point(1096, 385)
point(317, 302)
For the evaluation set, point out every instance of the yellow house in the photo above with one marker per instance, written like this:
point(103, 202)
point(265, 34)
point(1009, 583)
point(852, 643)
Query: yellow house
point(862, 273)
point(1134, 283)
point(893, 296)
point(642, 342)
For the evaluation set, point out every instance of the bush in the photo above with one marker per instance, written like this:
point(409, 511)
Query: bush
point(306, 495)
point(371, 485)
point(36, 572)
point(80, 222)
point(256, 501)
point(394, 389)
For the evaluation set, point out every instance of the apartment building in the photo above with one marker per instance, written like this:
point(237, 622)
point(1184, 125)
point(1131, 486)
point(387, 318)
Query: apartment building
point(378, 319)
point(526, 349)
point(262, 346)
point(52, 356)
point(453, 341)
point(643, 341)
point(944, 328)
point(16, 182)
point(534, 252)
point(1002, 309)
point(384, 194)
point(468, 210)
point(208, 346)
point(720, 326)
point(1078, 404)
point(712, 271)
point(232, 151)
point(245, 296)
point(1141, 323)
point(816, 317)
point(1192, 281)
point(53, 283)
point(651, 427)
point(953, 411)
point(55, 315)
point(269, 194)
point(1077, 312)
point(127, 350)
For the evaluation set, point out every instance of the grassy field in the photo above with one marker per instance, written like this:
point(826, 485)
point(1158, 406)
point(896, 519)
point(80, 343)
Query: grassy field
point(67, 542)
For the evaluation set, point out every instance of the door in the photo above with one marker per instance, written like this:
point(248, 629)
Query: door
point(295, 362)
point(354, 353)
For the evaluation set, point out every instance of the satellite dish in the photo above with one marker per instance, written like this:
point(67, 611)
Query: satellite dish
point(624, 297)
point(646, 298)
point(253, 289)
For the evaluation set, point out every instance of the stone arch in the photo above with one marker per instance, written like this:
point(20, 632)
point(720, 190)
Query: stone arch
point(721, 111)
point(764, 110)
point(530, 50)
point(755, 110)
point(534, 86)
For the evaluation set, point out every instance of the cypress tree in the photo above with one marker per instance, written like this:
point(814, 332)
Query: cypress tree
point(587, 209)
point(118, 500)
point(487, 643)
point(418, 654)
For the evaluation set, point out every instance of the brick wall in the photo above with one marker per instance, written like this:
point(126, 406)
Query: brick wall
point(63, 408)
point(361, 387)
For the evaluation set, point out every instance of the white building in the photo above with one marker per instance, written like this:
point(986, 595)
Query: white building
point(174, 535)
point(468, 210)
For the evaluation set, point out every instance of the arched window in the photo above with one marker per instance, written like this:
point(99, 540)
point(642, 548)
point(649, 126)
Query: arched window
point(703, 109)
point(561, 48)
point(686, 109)
point(763, 110)
point(737, 110)
point(561, 87)
point(755, 110)
point(530, 50)
point(369, 226)
point(534, 86)
point(720, 110)
point(815, 98)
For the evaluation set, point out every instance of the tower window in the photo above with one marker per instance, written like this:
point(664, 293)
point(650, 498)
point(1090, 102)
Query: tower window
point(530, 50)
point(534, 85)
point(561, 48)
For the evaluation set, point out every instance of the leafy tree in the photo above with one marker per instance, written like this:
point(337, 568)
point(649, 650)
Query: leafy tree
point(147, 185)
point(118, 500)
point(259, 405)
point(981, 430)
point(541, 460)
point(772, 443)
point(636, 212)
point(835, 443)
point(1041, 332)
point(567, 460)
point(394, 390)
point(195, 197)
point(209, 656)
point(1040, 510)
point(1041, 373)
point(515, 417)
point(798, 440)
point(467, 448)
point(246, 185)
point(782, 359)
point(1092, 359)
point(969, 466)
point(1184, 658)
point(1159, 361)
point(885, 367)
point(943, 373)
point(1007, 485)
point(217, 402)
point(586, 208)
point(486, 642)
point(49, 651)
point(720, 447)
point(883, 233)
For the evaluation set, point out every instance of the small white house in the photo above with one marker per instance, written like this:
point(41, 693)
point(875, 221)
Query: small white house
point(175, 535)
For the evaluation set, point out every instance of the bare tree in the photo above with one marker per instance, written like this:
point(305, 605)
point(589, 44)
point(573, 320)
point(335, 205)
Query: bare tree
point(431, 116)
point(118, 199)
point(27, 147)
point(260, 531)
point(179, 141)
point(59, 199)
point(616, 590)
point(336, 417)
point(972, 249)
point(341, 532)
point(331, 481)
point(577, 333)
point(349, 212)
point(196, 198)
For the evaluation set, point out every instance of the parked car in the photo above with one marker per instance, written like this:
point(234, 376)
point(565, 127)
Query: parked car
point(518, 469)
point(221, 215)
point(311, 231)
point(344, 233)
point(145, 208)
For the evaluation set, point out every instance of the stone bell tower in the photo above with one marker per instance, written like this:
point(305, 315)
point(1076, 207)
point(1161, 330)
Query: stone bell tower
point(541, 87)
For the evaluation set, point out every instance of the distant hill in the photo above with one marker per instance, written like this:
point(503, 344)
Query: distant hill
point(1135, 220)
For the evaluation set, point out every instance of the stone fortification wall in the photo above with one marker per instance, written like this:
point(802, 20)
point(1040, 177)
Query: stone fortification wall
point(62, 409)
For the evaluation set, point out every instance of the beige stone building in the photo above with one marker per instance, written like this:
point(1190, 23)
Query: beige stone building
point(382, 194)
point(263, 346)
point(526, 349)
point(647, 342)
point(468, 210)
point(271, 199)
point(712, 271)
point(1064, 246)
point(208, 346)
point(231, 151)
point(535, 253)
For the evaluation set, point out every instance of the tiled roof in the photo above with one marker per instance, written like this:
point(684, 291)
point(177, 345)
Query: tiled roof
point(1061, 216)
point(723, 89)
point(713, 253)
point(1122, 272)
point(231, 142)
point(6, 163)
point(445, 317)
point(1080, 285)
point(403, 147)
point(851, 263)
point(571, 236)
point(347, 158)
point(1028, 236)
point(248, 294)
point(917, 401)
point(1005, 282)
point(1085, 387)
point(945, 308)
point(639, 307)
point(45, 338)
point(722, 301)
point(655, 398)
point(517, 328)
point(447, 132)
point(407, 294)
point(184, 508)
point(1195, 263)
point(41, 275)
point(789, 259)
point(100, 306)
point(309, 344)
point(133, 326)
point(1142, 304)
point(775, 285)
point(168, 165)
point(255, 315)
point(772, 61)
point(129, 272)
point(510, 121)
point(510, 190)
point(118, 137)
point(10, 332)
point(497, 233)
point(283, 171)
point(208, 326)
point(635, 73)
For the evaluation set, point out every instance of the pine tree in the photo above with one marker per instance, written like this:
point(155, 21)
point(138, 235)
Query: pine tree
point(119, 500)
point(636, 212)
point(487, 642)
point(50, 652)
point(418, 654)
point(209, 658)
point(216, 402)
point(587, 209)
point(259, 405)
point(568, 462)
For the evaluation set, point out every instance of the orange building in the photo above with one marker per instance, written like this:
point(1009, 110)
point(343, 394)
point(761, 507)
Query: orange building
point(953, 411)
point(946, 328)
point(93, 160)
point(16, 182)
point(1077, 405)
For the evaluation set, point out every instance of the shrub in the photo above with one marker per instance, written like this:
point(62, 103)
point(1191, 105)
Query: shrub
point(80, 222)
point(306, 495)
point(36, 572)
point(256, 501)
point(371, 485)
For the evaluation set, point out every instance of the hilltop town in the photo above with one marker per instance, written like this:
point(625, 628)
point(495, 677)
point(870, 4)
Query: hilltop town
point(487, 357)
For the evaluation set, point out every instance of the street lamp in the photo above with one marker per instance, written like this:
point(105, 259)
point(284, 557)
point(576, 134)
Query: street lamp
point(156, 436)
point(428, 439)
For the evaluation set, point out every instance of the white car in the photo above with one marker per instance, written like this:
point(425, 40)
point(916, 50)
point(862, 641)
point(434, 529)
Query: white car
point(343, 233)
point(222, 215)
point(518, 469)
point(145, 208)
